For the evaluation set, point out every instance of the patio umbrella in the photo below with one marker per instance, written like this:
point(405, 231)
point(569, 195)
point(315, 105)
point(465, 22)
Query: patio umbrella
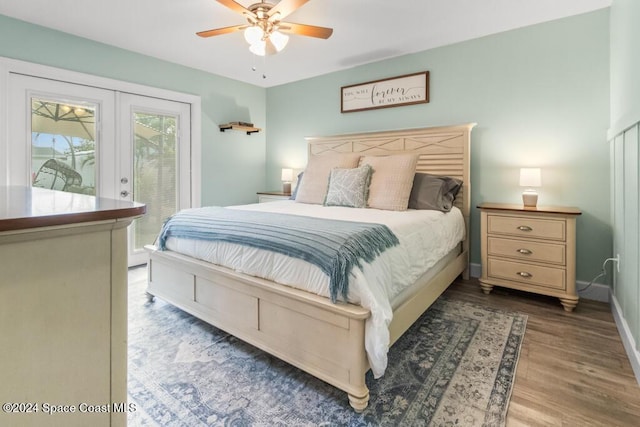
point(75, 121)
point(62, 119)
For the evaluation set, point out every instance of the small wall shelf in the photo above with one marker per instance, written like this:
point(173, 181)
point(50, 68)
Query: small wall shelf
point(248, 129)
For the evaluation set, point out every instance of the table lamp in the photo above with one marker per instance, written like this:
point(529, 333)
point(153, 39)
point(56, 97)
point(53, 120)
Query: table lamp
point(529, 178)
point(286, 178)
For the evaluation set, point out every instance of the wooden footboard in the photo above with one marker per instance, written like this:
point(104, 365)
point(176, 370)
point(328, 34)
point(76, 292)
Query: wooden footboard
point(324, 339)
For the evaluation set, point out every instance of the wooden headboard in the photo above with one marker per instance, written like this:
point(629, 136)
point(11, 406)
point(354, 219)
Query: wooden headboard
point(443, 150)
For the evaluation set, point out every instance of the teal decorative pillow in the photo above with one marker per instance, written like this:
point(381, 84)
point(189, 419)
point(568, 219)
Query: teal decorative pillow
point(349, 187)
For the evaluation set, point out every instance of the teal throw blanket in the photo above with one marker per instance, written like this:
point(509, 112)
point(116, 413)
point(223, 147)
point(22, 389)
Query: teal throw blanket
point(332, 245)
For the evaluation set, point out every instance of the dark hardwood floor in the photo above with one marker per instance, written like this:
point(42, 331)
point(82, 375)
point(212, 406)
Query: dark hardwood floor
point(573, 370)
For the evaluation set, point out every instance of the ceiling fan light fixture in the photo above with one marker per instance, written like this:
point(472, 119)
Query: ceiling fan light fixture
point(264, 19)
point(253, 34)
point(258, 48)
point(279, 40)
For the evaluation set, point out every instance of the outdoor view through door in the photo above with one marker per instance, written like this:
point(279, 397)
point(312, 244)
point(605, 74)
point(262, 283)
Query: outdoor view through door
point(63, 157)
point(154, 173)
point(63, 146)
point(106, 143)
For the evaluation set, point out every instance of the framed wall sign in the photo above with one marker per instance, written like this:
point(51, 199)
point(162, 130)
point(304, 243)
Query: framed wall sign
point(392, 92)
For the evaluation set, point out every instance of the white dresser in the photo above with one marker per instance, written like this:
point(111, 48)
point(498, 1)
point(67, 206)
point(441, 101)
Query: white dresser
point(63, 308)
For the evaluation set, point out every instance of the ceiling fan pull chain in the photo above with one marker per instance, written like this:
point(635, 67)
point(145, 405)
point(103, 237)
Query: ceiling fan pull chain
point(264, 67)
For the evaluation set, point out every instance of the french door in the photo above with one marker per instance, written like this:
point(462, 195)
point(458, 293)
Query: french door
point(154, 158)
point(82, 139)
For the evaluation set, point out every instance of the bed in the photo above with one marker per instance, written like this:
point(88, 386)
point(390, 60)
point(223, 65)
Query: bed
point(326, 339)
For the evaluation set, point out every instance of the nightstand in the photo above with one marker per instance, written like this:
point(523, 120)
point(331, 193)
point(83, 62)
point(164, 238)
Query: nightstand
point(530, 249)
point(272, 196)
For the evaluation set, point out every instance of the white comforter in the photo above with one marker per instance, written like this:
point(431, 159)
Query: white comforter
point(425, 237)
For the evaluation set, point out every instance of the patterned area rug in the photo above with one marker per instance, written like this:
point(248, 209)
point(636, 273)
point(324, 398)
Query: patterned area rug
point(455, 366)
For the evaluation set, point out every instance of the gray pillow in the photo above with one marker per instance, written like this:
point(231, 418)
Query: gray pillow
point(349, 187)
point(433, 192)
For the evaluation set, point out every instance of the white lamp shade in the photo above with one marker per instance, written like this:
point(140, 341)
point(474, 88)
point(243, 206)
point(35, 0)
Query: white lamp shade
point(530, 177)
point(253, 34)
point(261, 45)
point(258, 48)
point(287, 175)
point(279, 40)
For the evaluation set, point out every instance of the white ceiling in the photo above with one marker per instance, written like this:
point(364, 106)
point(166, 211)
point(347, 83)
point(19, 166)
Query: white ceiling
point(364, 30)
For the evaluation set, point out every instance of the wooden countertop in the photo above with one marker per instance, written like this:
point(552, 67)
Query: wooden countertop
point(30, 207)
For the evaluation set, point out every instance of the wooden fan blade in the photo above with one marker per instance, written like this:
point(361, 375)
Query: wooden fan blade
point(220, 31)
point(305, 30)
point(237, 7)
point(285, 7)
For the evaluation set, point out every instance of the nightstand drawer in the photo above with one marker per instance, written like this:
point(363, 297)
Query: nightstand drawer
point(527, 273)
point(527, 250)
point(527, 227)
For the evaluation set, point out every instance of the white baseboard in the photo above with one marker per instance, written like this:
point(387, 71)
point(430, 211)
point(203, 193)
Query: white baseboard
point(597, 291)
point(626, 336)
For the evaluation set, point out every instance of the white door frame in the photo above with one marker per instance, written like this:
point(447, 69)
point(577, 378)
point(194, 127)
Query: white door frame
point(8, 66)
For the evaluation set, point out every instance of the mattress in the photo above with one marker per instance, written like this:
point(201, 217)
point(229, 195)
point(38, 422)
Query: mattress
point(425, 238)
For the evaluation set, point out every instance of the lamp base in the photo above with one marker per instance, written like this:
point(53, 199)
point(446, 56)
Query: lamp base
point(530, 198)
point(286, 187)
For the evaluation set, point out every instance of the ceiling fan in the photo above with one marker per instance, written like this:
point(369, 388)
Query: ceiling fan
point(265, 31)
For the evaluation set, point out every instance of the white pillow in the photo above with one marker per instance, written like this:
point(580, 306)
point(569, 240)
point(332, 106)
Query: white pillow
point(313, 188)
point(391, 180)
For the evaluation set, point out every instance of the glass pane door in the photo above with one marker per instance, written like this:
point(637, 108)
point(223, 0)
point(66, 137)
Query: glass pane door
point(63, 136)
point(154, 173)
point(155, 160)
point(72, 137)
point(63, 145)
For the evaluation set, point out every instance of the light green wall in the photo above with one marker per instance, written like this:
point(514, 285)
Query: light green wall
point(625, 64)
point(625, 160)
point(540, 96)
point(233, 163)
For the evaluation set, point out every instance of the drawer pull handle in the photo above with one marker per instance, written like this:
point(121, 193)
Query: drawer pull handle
point(524, 274)
point(525, 228)
point(524, 251)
